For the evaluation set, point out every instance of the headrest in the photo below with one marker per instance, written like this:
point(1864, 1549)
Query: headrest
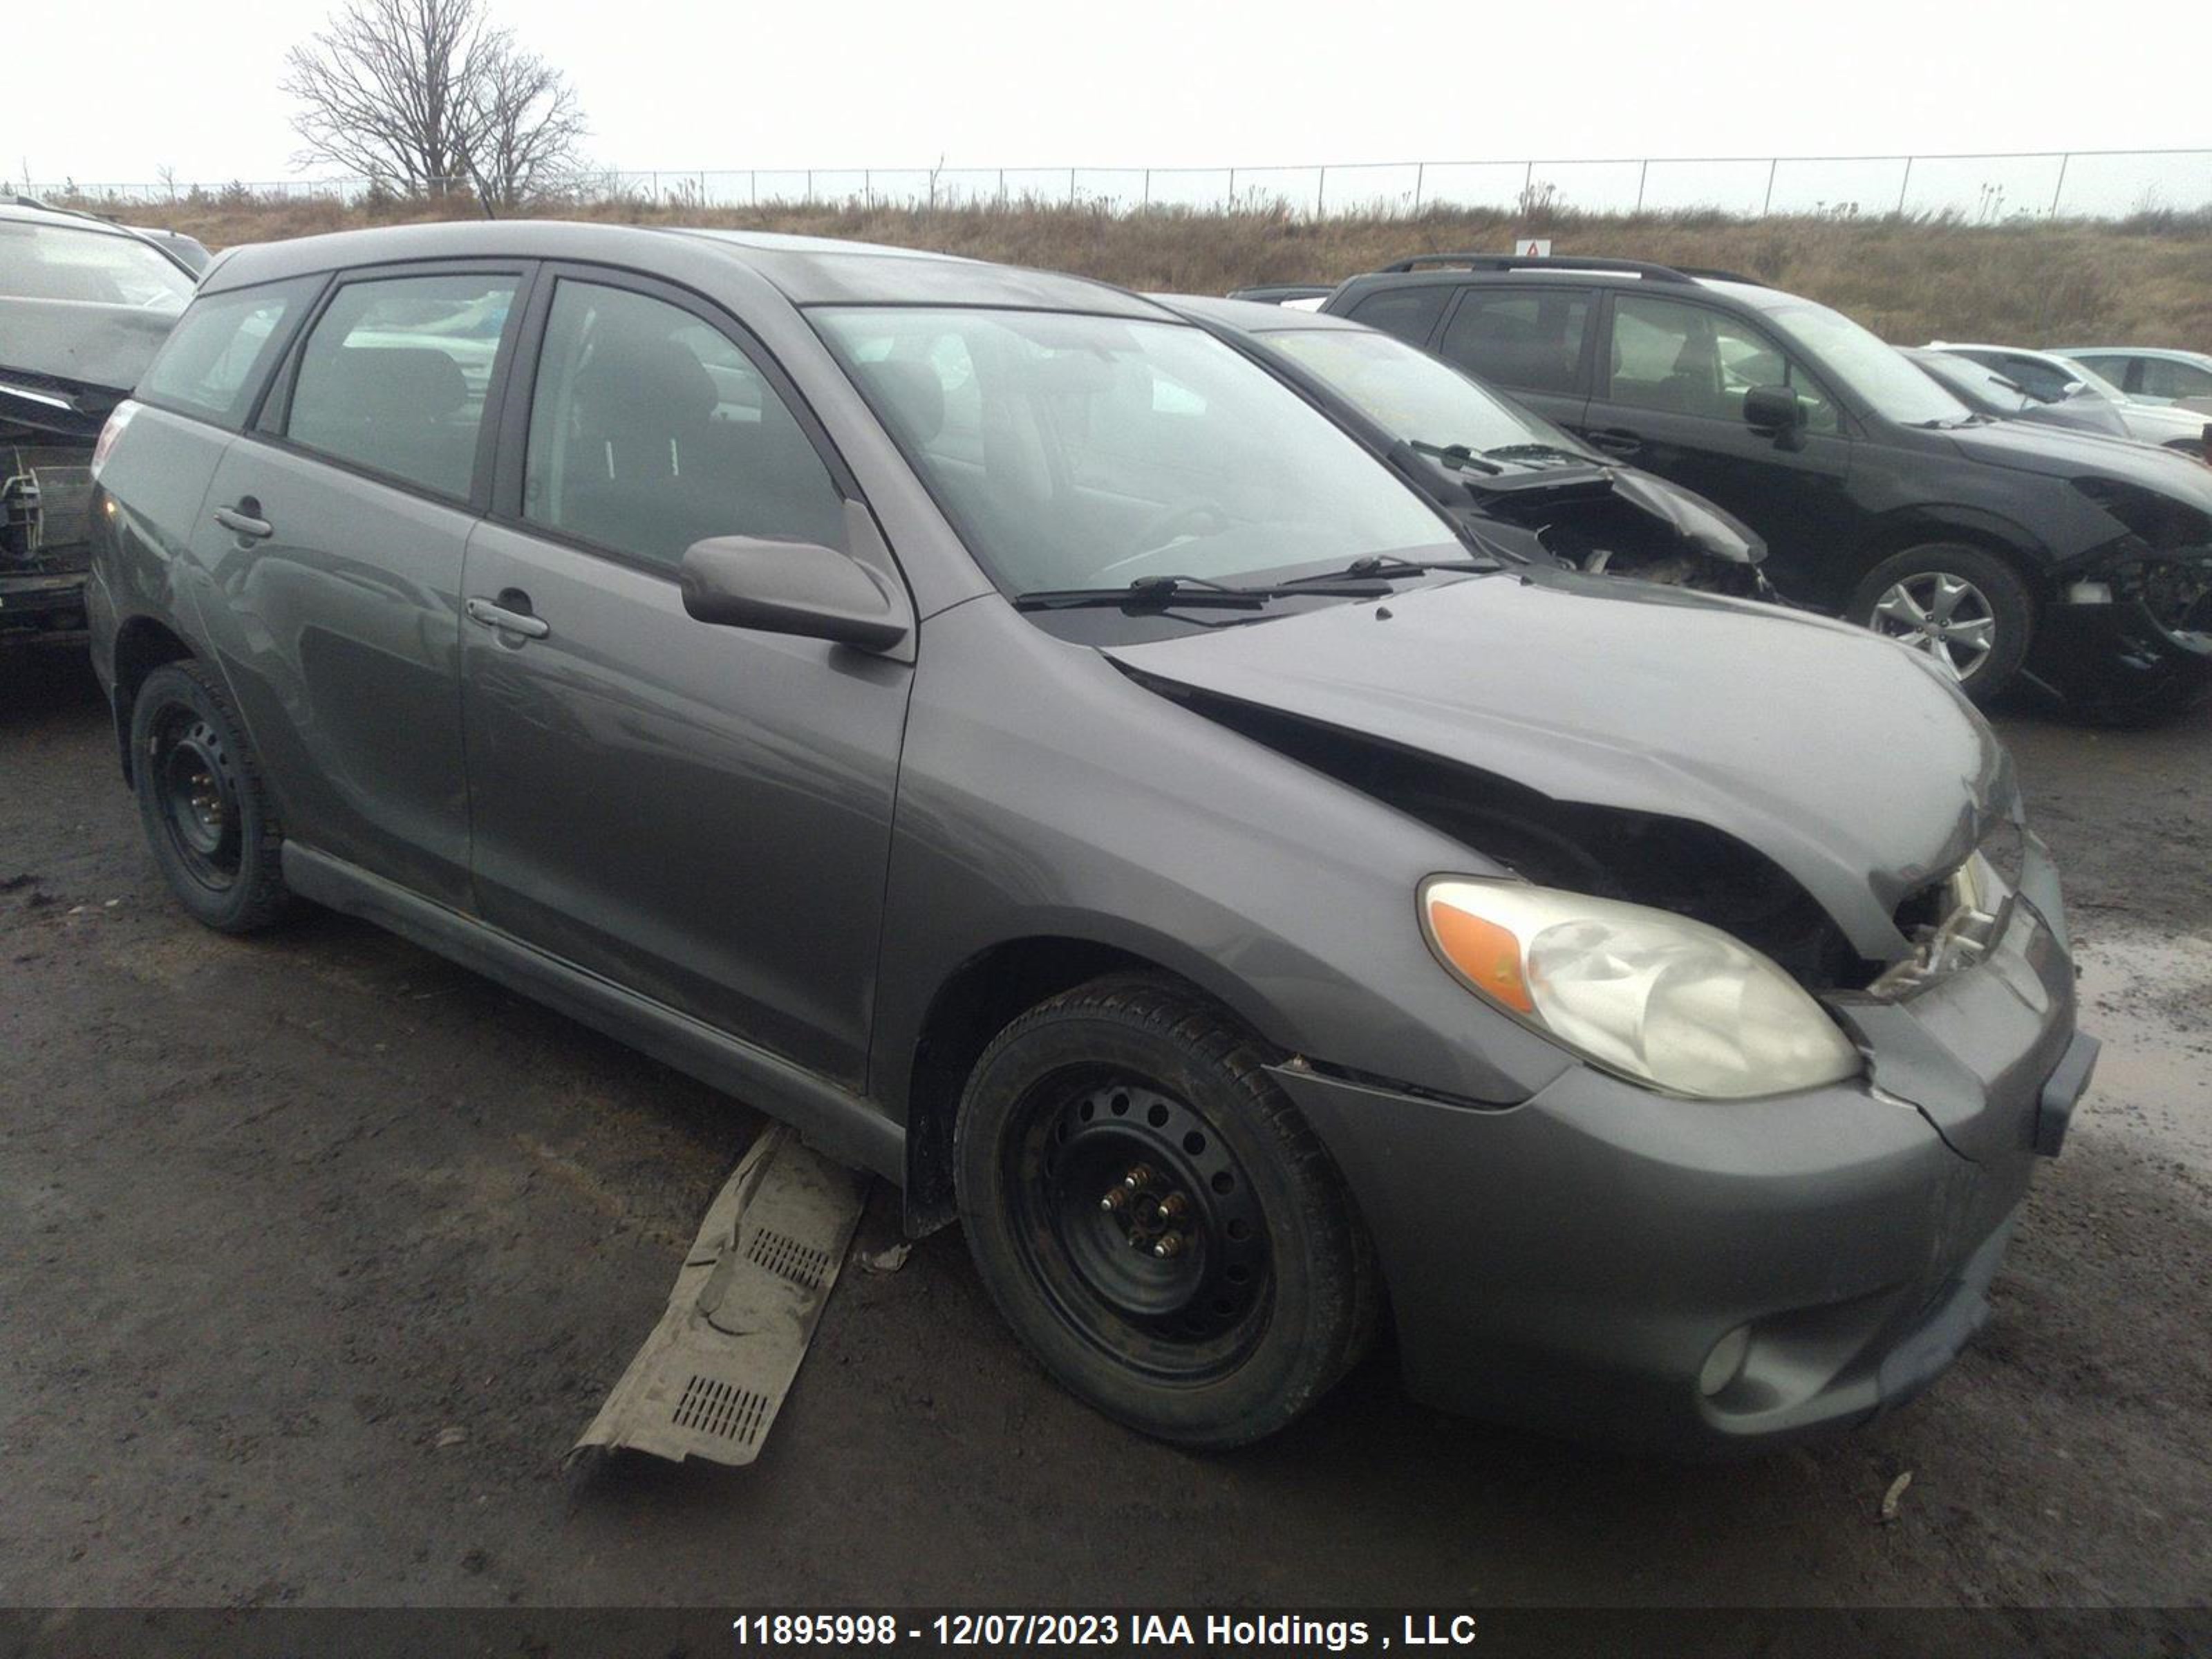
point(396, 382)
point(647, 379)
point(909, 394)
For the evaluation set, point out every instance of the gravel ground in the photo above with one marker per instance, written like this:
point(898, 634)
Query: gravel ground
point(316, 1253)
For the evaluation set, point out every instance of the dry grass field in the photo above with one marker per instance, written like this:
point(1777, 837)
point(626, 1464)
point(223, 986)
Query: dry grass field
point(2146, 279)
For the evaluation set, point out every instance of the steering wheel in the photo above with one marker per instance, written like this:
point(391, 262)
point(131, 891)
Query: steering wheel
point(1165, 527)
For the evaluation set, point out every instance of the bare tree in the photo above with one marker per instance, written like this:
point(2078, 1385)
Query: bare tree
point(524, 126)
point(418, 95)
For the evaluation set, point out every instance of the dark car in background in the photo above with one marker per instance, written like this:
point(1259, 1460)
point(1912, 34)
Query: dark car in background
point(84, 308)
point(2001, 548)
point(990, 721)
point(1517, 482)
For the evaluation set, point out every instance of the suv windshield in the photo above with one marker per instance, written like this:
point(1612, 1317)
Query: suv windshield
point(1075, 451)
point(1884, 378)
point(1412, 394)
point(59, 262)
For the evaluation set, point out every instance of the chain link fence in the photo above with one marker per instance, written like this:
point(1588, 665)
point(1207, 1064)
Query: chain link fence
point(1985, 189)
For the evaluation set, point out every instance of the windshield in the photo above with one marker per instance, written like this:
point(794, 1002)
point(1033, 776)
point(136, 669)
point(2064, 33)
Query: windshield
point(1087, 452)
point(1411, 393)
point(1973, 385)
point(1884, 378)
point(58, 262)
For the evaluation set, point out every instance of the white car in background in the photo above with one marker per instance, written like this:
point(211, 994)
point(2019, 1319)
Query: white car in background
point(2054, 376)
point(2153, 375)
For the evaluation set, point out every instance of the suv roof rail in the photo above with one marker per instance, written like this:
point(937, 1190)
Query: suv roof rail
point(1539, 262)
point(1647, 269)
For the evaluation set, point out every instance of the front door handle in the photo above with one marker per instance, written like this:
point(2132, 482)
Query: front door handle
point(1616, 440)
point(241, 520)
point(486, 614)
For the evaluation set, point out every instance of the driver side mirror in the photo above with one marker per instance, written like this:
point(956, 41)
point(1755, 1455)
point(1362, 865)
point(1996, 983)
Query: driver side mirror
point(1774, 411)
point(790, 587)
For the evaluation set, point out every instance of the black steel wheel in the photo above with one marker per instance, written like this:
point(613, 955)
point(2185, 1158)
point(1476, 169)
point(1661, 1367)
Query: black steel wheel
point(207, 816)
point(1155, 1220)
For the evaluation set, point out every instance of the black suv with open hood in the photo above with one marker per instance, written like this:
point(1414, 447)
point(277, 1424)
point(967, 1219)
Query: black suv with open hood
point(2002, 549)
point(83, 306)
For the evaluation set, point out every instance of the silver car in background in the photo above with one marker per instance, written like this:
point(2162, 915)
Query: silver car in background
point(2055, 377)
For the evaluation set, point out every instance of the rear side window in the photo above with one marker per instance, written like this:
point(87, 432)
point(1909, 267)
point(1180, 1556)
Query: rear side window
point(650, 430)
point(394, 373)
point(1519, 338)
point(2164, 377)
point(1410, 314)
point(214, 358)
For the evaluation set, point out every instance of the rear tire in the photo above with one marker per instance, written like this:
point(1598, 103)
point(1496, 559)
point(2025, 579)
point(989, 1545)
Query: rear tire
point(1965, 608)
point(207, 814)
point(1126, 1114)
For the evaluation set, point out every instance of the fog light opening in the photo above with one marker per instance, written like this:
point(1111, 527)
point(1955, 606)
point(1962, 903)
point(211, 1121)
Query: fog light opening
point(1725, 1363)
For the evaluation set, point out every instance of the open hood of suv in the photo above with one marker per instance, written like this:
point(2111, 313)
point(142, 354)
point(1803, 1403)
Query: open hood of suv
point(1845, 759)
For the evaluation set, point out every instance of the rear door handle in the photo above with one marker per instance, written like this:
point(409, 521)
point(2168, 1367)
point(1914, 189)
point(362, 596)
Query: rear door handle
point(485, 614)
point(243, 523)
point(1616, 440)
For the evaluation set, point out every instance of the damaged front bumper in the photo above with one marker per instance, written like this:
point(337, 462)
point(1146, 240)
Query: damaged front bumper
point(1697, 1277)
point(2130, 634)
point(44, 552)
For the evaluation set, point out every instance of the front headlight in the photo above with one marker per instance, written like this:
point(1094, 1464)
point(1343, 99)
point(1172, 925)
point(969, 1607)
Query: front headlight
point(1655, 997)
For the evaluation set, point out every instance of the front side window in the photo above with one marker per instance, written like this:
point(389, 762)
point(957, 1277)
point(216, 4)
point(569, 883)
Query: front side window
point(212, 360)
point(1691, 360)
point(1410, 314)
point(394, 374)
point(1525, 338)
point(1412, 394)
point(60, 262)
point(650, 430)
point(1091, 452)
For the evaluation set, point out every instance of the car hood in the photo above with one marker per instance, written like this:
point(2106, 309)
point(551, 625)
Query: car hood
point(2059, 452)
point(98, 350)
point(1846, 759)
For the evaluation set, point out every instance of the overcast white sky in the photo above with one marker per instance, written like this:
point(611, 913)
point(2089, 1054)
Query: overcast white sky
point(1165, 83)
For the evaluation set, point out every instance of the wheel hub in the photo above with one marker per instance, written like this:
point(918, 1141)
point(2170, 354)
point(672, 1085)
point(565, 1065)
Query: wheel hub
point(198, 801)
point(1142, 1225)
point(1945, 616)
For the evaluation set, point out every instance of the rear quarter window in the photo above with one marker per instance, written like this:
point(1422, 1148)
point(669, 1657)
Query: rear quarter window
point(1526, 337)
point(1410, 314)
point(216, 356)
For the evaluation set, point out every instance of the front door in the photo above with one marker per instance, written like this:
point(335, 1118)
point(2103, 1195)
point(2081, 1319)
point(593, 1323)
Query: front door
point(702, 814)
point(1669, 394)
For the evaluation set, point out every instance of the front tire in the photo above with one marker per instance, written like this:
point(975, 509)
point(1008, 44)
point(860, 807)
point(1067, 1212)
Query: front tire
point(206, 812)
point(1155, 1220)
point(1965, 607)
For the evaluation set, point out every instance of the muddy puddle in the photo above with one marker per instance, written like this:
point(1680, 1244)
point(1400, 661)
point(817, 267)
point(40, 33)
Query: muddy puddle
point(2148, 997)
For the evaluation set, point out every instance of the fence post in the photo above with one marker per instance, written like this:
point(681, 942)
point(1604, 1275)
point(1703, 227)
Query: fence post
point(1148, 188)
point(1767, 206)
point(1321, 194)
point(1070, 186)
point(1528, 184)
point(867, 188)
point(1421, 170)
point(1643, 173)
point(1904, 184)
point(2060, 187)
point(756, 187)
point(1232, 190)
point(810, 186)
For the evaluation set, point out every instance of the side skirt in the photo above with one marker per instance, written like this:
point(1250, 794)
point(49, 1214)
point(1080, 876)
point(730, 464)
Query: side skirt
point(839, 1124)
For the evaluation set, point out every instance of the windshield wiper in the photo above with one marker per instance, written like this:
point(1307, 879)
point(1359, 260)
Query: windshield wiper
point(1387, 566)
point(1186, 591)
point(1454, 455)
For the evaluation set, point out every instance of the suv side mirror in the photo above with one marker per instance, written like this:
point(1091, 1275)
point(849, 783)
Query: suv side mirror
point(1773, 412)
point(790, 588)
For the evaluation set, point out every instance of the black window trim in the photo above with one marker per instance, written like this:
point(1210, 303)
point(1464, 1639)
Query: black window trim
point(268, 363)
point(274, 413)
point(504, 505)
point(1744, 318)
point(1582, 386)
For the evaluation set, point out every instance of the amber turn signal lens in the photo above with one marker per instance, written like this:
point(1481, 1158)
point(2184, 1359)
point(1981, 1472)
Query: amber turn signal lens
point(1486, 954)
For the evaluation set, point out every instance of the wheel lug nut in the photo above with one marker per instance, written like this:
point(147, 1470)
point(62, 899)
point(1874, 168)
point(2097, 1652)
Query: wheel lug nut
point(1114, 1198)
point(1173, 1206)
point(1138, 1179)
point(1170, 1244)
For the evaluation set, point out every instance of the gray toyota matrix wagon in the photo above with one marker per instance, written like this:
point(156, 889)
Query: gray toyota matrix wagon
point(985, 719)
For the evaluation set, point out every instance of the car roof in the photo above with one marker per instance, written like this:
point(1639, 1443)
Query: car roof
point(807, 269)
point(2170, 354)
point(22, 212)
point(1563, 269)
point(1254, 316)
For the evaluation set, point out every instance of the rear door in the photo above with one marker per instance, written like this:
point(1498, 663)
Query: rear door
point(1533, 341)
point(1669, 397)
point(334, 530)
point(700, 814)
